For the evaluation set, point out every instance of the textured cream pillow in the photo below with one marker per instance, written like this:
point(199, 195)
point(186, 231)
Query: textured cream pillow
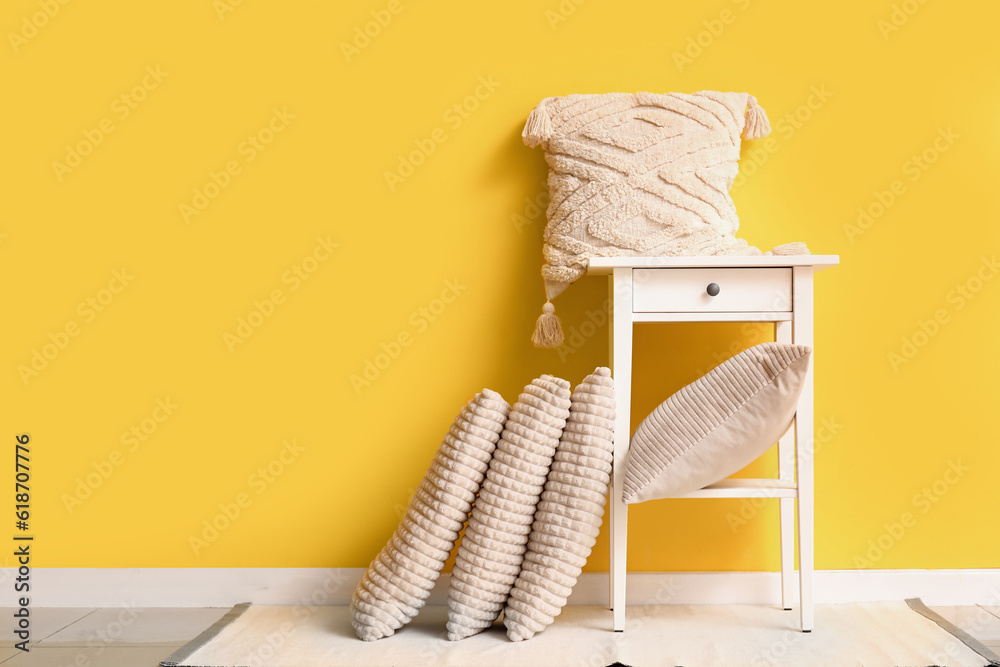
point(635, 174)
point(716, 425)
point(400, 578)
point(569, 515)
point(489, 558)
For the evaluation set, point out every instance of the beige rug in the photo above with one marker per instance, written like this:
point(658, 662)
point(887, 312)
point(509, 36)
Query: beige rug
point(870, 634)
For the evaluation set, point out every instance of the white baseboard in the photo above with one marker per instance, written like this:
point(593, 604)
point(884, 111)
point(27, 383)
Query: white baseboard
point(223, 587)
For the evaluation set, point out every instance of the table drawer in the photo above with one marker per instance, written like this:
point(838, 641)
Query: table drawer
point(688, 290)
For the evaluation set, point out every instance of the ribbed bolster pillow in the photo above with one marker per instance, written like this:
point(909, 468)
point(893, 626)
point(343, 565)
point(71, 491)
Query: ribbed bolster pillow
point(569, 515)
point(492, 550)
point(401, 576)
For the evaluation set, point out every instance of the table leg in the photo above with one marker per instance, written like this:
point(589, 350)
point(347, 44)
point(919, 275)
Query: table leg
point(786, 508)
point(611, 495)
point(622, 361)
point(803, 335)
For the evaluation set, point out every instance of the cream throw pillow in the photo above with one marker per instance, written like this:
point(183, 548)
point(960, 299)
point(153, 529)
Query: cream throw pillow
point(569, 515)
point(489, 558)
point(398, 581)
point(639, 174)
point(716, 425)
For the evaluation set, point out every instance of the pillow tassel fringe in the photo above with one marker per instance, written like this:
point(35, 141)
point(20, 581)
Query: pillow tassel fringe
point(548, 328)
point(757, 125)
point(538, 129)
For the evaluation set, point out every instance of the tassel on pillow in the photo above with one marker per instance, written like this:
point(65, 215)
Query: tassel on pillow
point(538, 129)
point(757, 125)
point(548, 329)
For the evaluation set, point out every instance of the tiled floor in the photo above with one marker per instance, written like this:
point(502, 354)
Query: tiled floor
point(983, 623)
point(108, 637)
point(140, 637)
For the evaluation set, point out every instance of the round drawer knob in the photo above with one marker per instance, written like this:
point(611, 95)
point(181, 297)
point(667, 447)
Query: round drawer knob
point(713, 290)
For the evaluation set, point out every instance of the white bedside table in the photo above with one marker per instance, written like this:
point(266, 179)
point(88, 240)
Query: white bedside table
point(766, 288)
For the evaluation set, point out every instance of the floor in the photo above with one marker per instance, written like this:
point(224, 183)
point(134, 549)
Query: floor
point(137, 637)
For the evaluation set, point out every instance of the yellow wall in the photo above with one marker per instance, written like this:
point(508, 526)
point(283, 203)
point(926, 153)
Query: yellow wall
point(201, 77)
